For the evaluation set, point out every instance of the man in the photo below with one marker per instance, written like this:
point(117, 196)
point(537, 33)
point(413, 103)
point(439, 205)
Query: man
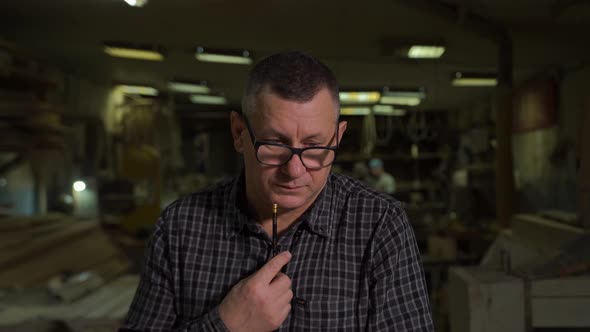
point(348, 258)
point(381, 181)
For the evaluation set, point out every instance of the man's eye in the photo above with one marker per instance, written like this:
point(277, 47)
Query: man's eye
point(275, 141)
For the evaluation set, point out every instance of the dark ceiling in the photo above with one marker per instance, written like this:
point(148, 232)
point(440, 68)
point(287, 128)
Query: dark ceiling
point(353, 37)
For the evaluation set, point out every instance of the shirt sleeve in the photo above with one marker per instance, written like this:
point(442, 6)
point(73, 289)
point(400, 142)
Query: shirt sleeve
point(153, 307)
point(398, 295)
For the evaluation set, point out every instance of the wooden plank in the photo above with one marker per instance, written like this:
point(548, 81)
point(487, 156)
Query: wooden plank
point(87, 304)
point(560, 312)
point(19, 314)
point(482, 300)
point(105, 294)
point(94, 325)
point(542, 234)
point(561, 287)
point(37, 325)
point(16, 232)
point(120, 311)
point(17, 223)
point(117, 297)
point(562, 216)
point(38, 247)
point(76, 287)
point(77, 255)
point(79, 247)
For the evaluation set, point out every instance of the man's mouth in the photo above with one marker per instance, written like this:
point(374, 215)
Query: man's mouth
point(288, 187)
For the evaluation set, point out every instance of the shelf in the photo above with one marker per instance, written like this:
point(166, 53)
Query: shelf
point(19, 79)
point(353, 157)
point(426, 206)
point(403, 186)
point(480, 167)
point(25, 108)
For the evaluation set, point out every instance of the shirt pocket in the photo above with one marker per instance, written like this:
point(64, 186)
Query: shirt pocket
point(338, 314)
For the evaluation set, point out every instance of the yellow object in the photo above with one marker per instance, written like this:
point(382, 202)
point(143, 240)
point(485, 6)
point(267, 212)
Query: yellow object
point(140, 164)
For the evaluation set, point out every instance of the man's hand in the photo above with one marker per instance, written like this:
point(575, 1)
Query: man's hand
point(260, 302)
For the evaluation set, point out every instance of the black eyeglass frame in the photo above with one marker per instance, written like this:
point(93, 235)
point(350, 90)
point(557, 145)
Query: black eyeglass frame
point(294, 151)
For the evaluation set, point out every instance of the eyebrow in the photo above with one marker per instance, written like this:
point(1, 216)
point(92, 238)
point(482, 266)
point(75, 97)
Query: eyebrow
point(271, 132)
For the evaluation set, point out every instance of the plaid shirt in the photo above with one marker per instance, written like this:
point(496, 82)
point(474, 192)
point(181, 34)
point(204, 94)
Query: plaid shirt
point(355, 263)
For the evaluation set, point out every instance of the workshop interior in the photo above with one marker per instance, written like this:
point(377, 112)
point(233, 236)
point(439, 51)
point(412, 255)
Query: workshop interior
point(110, 110)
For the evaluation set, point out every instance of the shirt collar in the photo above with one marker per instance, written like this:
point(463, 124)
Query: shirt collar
point(317, 219)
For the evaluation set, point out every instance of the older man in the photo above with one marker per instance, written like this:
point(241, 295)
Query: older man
point(348, 260)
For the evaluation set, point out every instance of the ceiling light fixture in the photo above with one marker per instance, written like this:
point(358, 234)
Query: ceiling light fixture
point(242, 57)
point(359, 97)
point(133, 53)
point(388, 110)
point(136, 3)
point(473, 80)
point(208, 99)
point(137, 90)
point(355, 111)
point(425, 52)
point(186, 87)
point(402, 97)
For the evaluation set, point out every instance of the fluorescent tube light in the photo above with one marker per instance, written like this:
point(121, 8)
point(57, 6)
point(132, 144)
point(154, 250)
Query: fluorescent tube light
point(355, 111)
point(388, 110)
point(464, 79)
point(136, 3)
point(402, 97)
point(425, 52)
point(208, 99)
point(400, 100)
point(138, 90)
point(183, 87)
point(361, 97)
point(133, 53)
point(475, 82)
point(239, 58)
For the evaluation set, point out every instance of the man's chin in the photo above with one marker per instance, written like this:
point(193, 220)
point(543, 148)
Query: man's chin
point(289, 202)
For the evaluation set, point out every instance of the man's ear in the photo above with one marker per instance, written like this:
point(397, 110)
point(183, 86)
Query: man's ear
point(237, 129)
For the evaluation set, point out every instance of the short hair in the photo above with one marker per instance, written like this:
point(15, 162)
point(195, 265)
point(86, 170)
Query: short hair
point(292, 75)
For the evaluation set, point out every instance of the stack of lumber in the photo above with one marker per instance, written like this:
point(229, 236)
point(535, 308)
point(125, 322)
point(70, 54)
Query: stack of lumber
point(56, 269)
point(102, 310)
point(34, 250)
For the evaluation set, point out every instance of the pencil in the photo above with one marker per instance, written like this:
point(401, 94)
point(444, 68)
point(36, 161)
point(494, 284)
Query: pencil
point(274, 230)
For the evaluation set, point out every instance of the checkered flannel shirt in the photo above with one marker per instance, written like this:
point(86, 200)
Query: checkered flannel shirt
point(355, 263)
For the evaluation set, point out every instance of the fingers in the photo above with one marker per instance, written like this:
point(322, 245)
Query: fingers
point(281, 282)
point(285, 298)
point(285, 312)
point(269, 270)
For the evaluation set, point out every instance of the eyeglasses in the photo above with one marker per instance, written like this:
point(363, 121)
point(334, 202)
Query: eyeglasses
point(276, 154)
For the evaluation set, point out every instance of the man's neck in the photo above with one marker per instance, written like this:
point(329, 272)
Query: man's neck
point(284, 222)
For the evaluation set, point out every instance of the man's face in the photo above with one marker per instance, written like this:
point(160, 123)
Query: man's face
point(376, 171)
point(292, 186)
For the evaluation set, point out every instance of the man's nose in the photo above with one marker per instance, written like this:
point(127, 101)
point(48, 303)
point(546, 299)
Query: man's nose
point(294, 167)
